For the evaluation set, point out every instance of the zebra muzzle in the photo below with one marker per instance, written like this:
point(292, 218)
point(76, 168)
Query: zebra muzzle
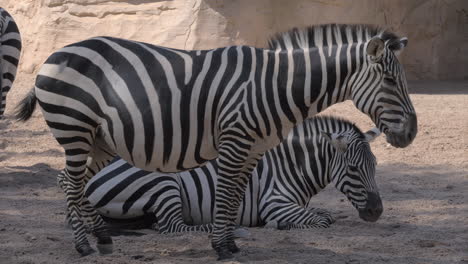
point(406, 135)
point(373, 209)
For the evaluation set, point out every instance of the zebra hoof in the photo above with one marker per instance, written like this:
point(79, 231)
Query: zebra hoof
point(233, 247)
point(85, 250)
point(104, 241)
point(105, 249)
point(224, 254)
point(284, 226)
point(155, 227)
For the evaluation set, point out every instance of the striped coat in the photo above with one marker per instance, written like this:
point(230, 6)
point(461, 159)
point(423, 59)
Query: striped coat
point(169, 110)
point(279, 191)
point(10, 51)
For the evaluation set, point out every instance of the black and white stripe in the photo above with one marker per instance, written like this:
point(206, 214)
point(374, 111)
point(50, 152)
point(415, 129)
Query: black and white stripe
point(10, 50)
point(321, 151)
point(170, 110)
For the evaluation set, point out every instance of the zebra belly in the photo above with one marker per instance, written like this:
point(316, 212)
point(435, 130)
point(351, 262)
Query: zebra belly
point(114, 210)
point(166, 161)
point(121, 191)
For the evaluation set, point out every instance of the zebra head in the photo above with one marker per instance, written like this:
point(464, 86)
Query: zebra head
point(380, 90)
point(353, 170)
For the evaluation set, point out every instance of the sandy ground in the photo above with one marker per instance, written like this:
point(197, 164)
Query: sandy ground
point(423, 187)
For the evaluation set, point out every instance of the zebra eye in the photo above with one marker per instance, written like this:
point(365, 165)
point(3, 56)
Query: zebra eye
point(390, 81)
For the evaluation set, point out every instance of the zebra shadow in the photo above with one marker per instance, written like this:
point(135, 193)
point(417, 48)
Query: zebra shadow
point(35, 177)
point(402, 182)
point(295, 253)
point(48, 153)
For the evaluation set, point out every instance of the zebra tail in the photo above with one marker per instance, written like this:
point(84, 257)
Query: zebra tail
point(25, 108)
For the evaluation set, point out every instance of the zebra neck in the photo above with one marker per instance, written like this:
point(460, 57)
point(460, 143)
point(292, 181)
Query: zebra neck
point(307, 166)
point(290, 85)
point(322, 159)
point(339, 75)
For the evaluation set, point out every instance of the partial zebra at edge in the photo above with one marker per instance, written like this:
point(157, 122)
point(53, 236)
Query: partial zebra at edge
point(10, 51)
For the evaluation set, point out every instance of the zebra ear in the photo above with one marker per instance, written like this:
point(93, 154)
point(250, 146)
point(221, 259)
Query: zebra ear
point(371, 134)
point(398, 45)
point(375, 49)
point(338, 141)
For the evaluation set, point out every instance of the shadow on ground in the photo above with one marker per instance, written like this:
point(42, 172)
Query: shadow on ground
point(438, 87)
point(38, 176)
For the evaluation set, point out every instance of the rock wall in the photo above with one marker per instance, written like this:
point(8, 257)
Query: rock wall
point(437, 29)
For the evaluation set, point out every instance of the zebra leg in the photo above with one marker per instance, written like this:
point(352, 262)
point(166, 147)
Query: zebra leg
point(73, 187)
point(61, 182)
point(99, 160)
point(233, 175)
point(239, 193)
point(290, 226)
point(179, 226)
point(168, 211)
point(101, 157)
point(62, 185)
point(322, 212)
point(292, 216)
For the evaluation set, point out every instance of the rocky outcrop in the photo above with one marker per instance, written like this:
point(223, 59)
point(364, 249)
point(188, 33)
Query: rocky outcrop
point(437, 29)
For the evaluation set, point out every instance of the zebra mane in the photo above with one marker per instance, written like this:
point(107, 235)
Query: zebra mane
point(333, 124)
point(329, 34)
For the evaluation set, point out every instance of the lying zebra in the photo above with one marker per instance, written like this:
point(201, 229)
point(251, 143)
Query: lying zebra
point(10, 50)
point(320, 151)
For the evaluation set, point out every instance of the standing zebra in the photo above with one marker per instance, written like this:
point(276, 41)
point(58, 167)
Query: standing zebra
point(320, 151)
point(169, 110)
point(10, 50)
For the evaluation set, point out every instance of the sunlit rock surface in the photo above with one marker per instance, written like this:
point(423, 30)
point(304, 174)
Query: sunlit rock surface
point(437, 29)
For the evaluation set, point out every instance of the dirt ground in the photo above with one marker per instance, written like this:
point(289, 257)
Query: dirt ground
point(423, 187)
